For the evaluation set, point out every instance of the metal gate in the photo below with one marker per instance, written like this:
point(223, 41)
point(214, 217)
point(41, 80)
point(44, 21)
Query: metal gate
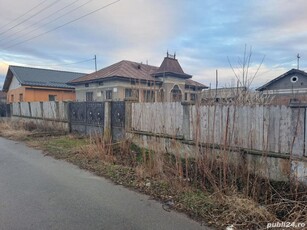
point(118, 120)
point(5, 110)
point(86, 117)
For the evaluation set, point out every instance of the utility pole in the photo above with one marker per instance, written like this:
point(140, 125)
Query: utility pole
point(216, 83)
point(298, 61)
point(95, 63)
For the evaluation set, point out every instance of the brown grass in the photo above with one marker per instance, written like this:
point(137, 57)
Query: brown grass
point(200, 188)
point(13, 130)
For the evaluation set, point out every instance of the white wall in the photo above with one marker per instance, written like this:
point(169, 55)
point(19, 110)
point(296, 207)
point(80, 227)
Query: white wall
point(14, 84)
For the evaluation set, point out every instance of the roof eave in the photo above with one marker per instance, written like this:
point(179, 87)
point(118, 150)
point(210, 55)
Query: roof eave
point(8, 79)
point(48, 86)
point(197, 86)
point(111, 78)
point(163, 74)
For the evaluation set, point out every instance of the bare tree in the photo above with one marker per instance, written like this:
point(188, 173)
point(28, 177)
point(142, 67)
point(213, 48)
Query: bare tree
point(242, 71)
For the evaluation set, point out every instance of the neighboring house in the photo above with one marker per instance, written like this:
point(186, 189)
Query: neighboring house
point(227, 94)
point(33, 84)
point(291, 85)
point(127, 80)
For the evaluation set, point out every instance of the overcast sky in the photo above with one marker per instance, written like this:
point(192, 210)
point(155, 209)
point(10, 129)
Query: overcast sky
point(205, 34)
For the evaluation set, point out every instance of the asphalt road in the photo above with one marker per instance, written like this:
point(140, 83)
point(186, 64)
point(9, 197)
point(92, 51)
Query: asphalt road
point(39, 192)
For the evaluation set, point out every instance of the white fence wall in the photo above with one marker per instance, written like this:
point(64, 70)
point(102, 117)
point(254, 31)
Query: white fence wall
point(16, 109)
point(36, 109)
point(51, 110)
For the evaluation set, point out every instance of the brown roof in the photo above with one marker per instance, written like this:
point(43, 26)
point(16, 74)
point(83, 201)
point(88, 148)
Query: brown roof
point(171, 65)
point(124, 69)
point(134, 70)
point(199, 85)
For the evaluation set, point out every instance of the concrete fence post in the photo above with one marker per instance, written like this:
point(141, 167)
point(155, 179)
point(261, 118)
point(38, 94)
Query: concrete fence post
point(107, 119)
point(30, 110)
point(57, 111)
point(67, 115)
point(19, 108)
point(186, 121)
point(42, 109)
point(128, 114)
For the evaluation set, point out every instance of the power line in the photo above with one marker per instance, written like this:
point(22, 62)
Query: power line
point(69, 22)
point(25, 13)
point(27, 19)
point(43, 19)
point(61, 16)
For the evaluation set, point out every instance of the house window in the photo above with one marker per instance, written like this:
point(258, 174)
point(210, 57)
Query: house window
point(131, 93)
point(185, 96)
point(12, 98)
point(176, 94)
point(101, 83)
point(52, 97)
point(128, 93)
point(193, 96)
point(20, 97)
point(87, 85)
point(109, 94)
point(89, 96)
point(149, 96)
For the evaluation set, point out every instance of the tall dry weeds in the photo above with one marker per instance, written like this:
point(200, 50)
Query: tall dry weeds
point(243, 190)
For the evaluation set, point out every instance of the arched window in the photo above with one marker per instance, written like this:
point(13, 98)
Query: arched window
point(176, 94)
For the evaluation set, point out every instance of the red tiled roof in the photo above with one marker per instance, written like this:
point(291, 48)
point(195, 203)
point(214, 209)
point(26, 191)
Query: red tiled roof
point(125, 69)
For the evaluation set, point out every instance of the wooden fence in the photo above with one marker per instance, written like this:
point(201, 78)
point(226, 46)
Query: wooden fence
point(277, 129)
point(276, 132)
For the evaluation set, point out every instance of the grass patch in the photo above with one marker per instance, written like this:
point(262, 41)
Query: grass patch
point(64, 143)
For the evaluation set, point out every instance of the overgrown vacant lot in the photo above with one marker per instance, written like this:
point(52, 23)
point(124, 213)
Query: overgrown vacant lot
point(211, 191)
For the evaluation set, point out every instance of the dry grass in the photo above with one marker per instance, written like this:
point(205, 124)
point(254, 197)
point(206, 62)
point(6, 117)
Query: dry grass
point(199, 187)
point(13, 130)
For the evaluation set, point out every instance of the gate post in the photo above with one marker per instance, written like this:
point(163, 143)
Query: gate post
point(128, 114)
point(67, 111)
point(107, 119)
